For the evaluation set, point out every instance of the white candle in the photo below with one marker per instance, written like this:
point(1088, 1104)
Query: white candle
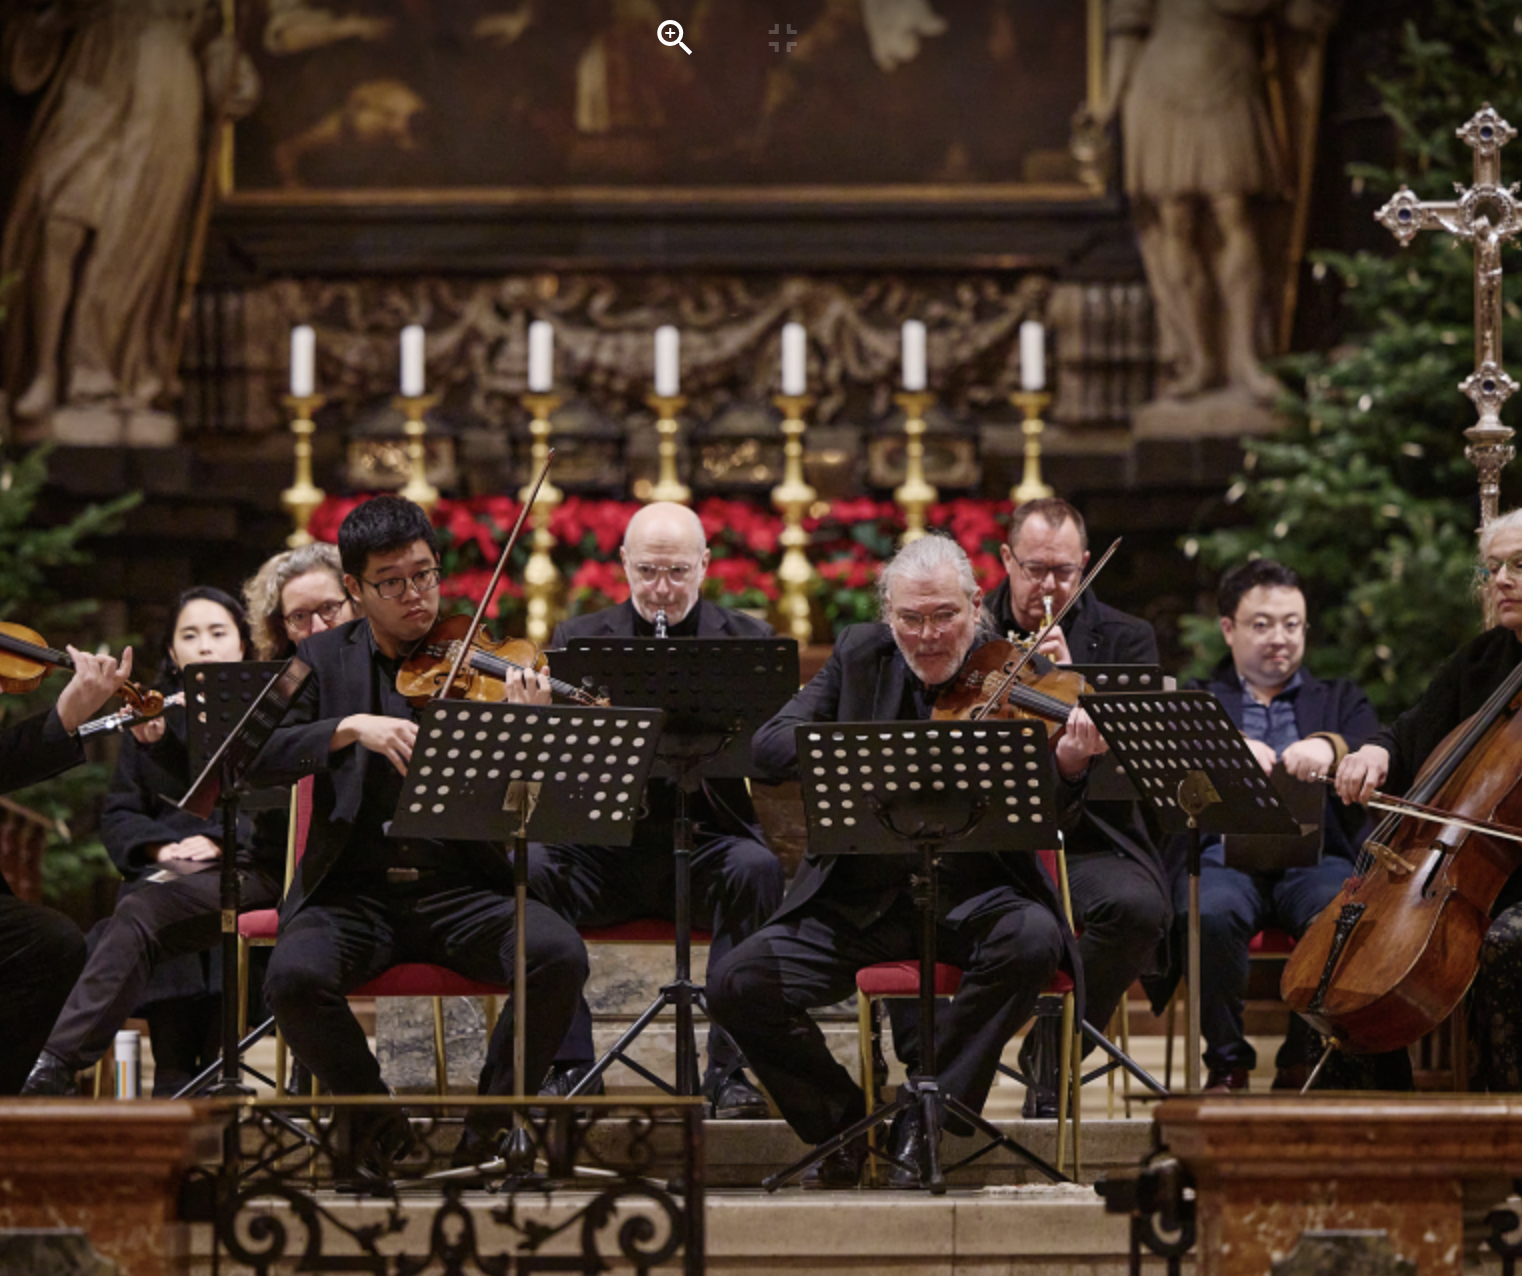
point(668, 375)
point(541, 356)
point(303, 361)
point(794, 359)
point(914, 356)
point(1032, 356)
point(412, 361)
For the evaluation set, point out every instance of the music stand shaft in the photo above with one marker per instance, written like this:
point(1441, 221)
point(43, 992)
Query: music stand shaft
point(1192, 1063)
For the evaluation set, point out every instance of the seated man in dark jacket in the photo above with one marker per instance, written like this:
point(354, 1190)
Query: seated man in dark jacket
point(1288, 715)
point(1001, 921)
point(42, 952)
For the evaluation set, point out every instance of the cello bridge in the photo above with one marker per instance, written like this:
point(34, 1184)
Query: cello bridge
point(1393, 864)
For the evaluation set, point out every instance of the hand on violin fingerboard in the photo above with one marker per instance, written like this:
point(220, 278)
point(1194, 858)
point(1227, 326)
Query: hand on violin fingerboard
point(524, 686)
point(1080, 741)
point(96, 679)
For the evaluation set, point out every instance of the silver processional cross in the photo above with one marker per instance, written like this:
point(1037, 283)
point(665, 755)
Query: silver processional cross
point(1488, 215)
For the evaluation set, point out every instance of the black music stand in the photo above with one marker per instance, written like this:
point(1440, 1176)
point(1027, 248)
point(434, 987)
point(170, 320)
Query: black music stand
point(716, 694)
point(231, 708)
point(504, 772)
point(1191, 764)
point(937, 788)
point(1306, 802)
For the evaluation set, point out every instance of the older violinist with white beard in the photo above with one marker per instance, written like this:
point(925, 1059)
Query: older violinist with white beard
point(1000, 921)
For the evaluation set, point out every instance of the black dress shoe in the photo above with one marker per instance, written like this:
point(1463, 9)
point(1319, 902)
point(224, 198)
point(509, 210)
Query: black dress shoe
point(841, 1169)
point(562, 1078)
point(735, 1099)
point(50, 1075)
point(908, 1146)
point(378, 1140)
point(1040, 1104)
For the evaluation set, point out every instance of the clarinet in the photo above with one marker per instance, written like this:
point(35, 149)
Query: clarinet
point(660, 623)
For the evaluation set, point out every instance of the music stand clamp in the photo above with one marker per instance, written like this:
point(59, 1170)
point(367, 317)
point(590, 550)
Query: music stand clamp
point(716, 694)
point(1190, 763)
point(503, 772)
point(939, 788)
point(231, 709)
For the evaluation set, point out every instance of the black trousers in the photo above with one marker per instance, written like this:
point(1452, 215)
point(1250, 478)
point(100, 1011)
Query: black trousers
point(355, 928)
point(149, 926)
point(762, 992)
point(736, 885)
point(1124, 917)
point(41, 955)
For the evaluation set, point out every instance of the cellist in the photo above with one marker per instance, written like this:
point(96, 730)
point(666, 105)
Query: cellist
point(1390, 762)
point(362, 901)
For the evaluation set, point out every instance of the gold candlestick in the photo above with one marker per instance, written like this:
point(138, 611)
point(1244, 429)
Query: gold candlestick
point(417, 489)
point(668, 487)
point(793, 497)
point(541, 578)
point(1030, 487)
point(915, 494)
point(303, 496)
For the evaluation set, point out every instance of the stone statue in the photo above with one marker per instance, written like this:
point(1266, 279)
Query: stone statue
point(109, 187)
point(1201, 154)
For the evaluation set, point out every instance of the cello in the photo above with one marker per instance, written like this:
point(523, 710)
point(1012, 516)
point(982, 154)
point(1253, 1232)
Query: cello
point(1392, 955)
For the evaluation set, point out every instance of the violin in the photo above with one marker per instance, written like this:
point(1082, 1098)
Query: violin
point(482, 676)
point(996, 682)
point(1391, 956)
point(25, 660)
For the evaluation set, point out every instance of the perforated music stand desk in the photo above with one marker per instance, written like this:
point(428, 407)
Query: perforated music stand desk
point(226, 699)
point(1191, 764)
point(716, 693)
point(506, 772)
point(936, 788)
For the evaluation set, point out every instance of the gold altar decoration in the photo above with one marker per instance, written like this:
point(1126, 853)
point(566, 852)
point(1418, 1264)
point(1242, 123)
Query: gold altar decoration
point(668, 487)
point(1488, 215)
point(303, 496)
point(417, 488)
point(541, 578)
point(914, 495)
point(1030, 487)
point(793, 497)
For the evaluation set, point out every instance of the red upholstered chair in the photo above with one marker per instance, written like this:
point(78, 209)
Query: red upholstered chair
point(409, 979)
point(902, 979)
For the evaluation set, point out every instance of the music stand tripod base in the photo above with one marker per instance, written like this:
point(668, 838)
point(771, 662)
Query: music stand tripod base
point(935, 788)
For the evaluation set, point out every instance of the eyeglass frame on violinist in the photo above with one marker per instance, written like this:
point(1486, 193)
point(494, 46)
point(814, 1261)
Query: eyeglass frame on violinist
point(414, 582)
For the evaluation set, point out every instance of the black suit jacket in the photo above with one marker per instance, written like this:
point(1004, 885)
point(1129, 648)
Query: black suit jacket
point(340, 685)
point(33, 750)
point(728, 800)
point(864, 681)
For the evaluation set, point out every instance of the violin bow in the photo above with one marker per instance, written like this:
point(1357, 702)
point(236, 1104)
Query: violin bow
point(491, 587)
point(1009, 678)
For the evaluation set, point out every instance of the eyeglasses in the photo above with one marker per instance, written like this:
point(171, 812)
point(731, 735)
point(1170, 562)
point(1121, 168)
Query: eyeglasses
point(1293, 626)
point(676, 573)
point(1062, 573)
point(328, 611)
point(1492, 567)
point(424, 582)
point(911, 622)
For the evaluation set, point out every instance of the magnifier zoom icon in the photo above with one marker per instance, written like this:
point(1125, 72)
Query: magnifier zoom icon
point(670, 34)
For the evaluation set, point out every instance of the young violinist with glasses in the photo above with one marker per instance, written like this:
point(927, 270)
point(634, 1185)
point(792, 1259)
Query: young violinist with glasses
point(363, 901)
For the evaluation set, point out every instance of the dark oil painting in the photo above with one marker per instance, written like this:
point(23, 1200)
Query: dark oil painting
point(440, 99)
